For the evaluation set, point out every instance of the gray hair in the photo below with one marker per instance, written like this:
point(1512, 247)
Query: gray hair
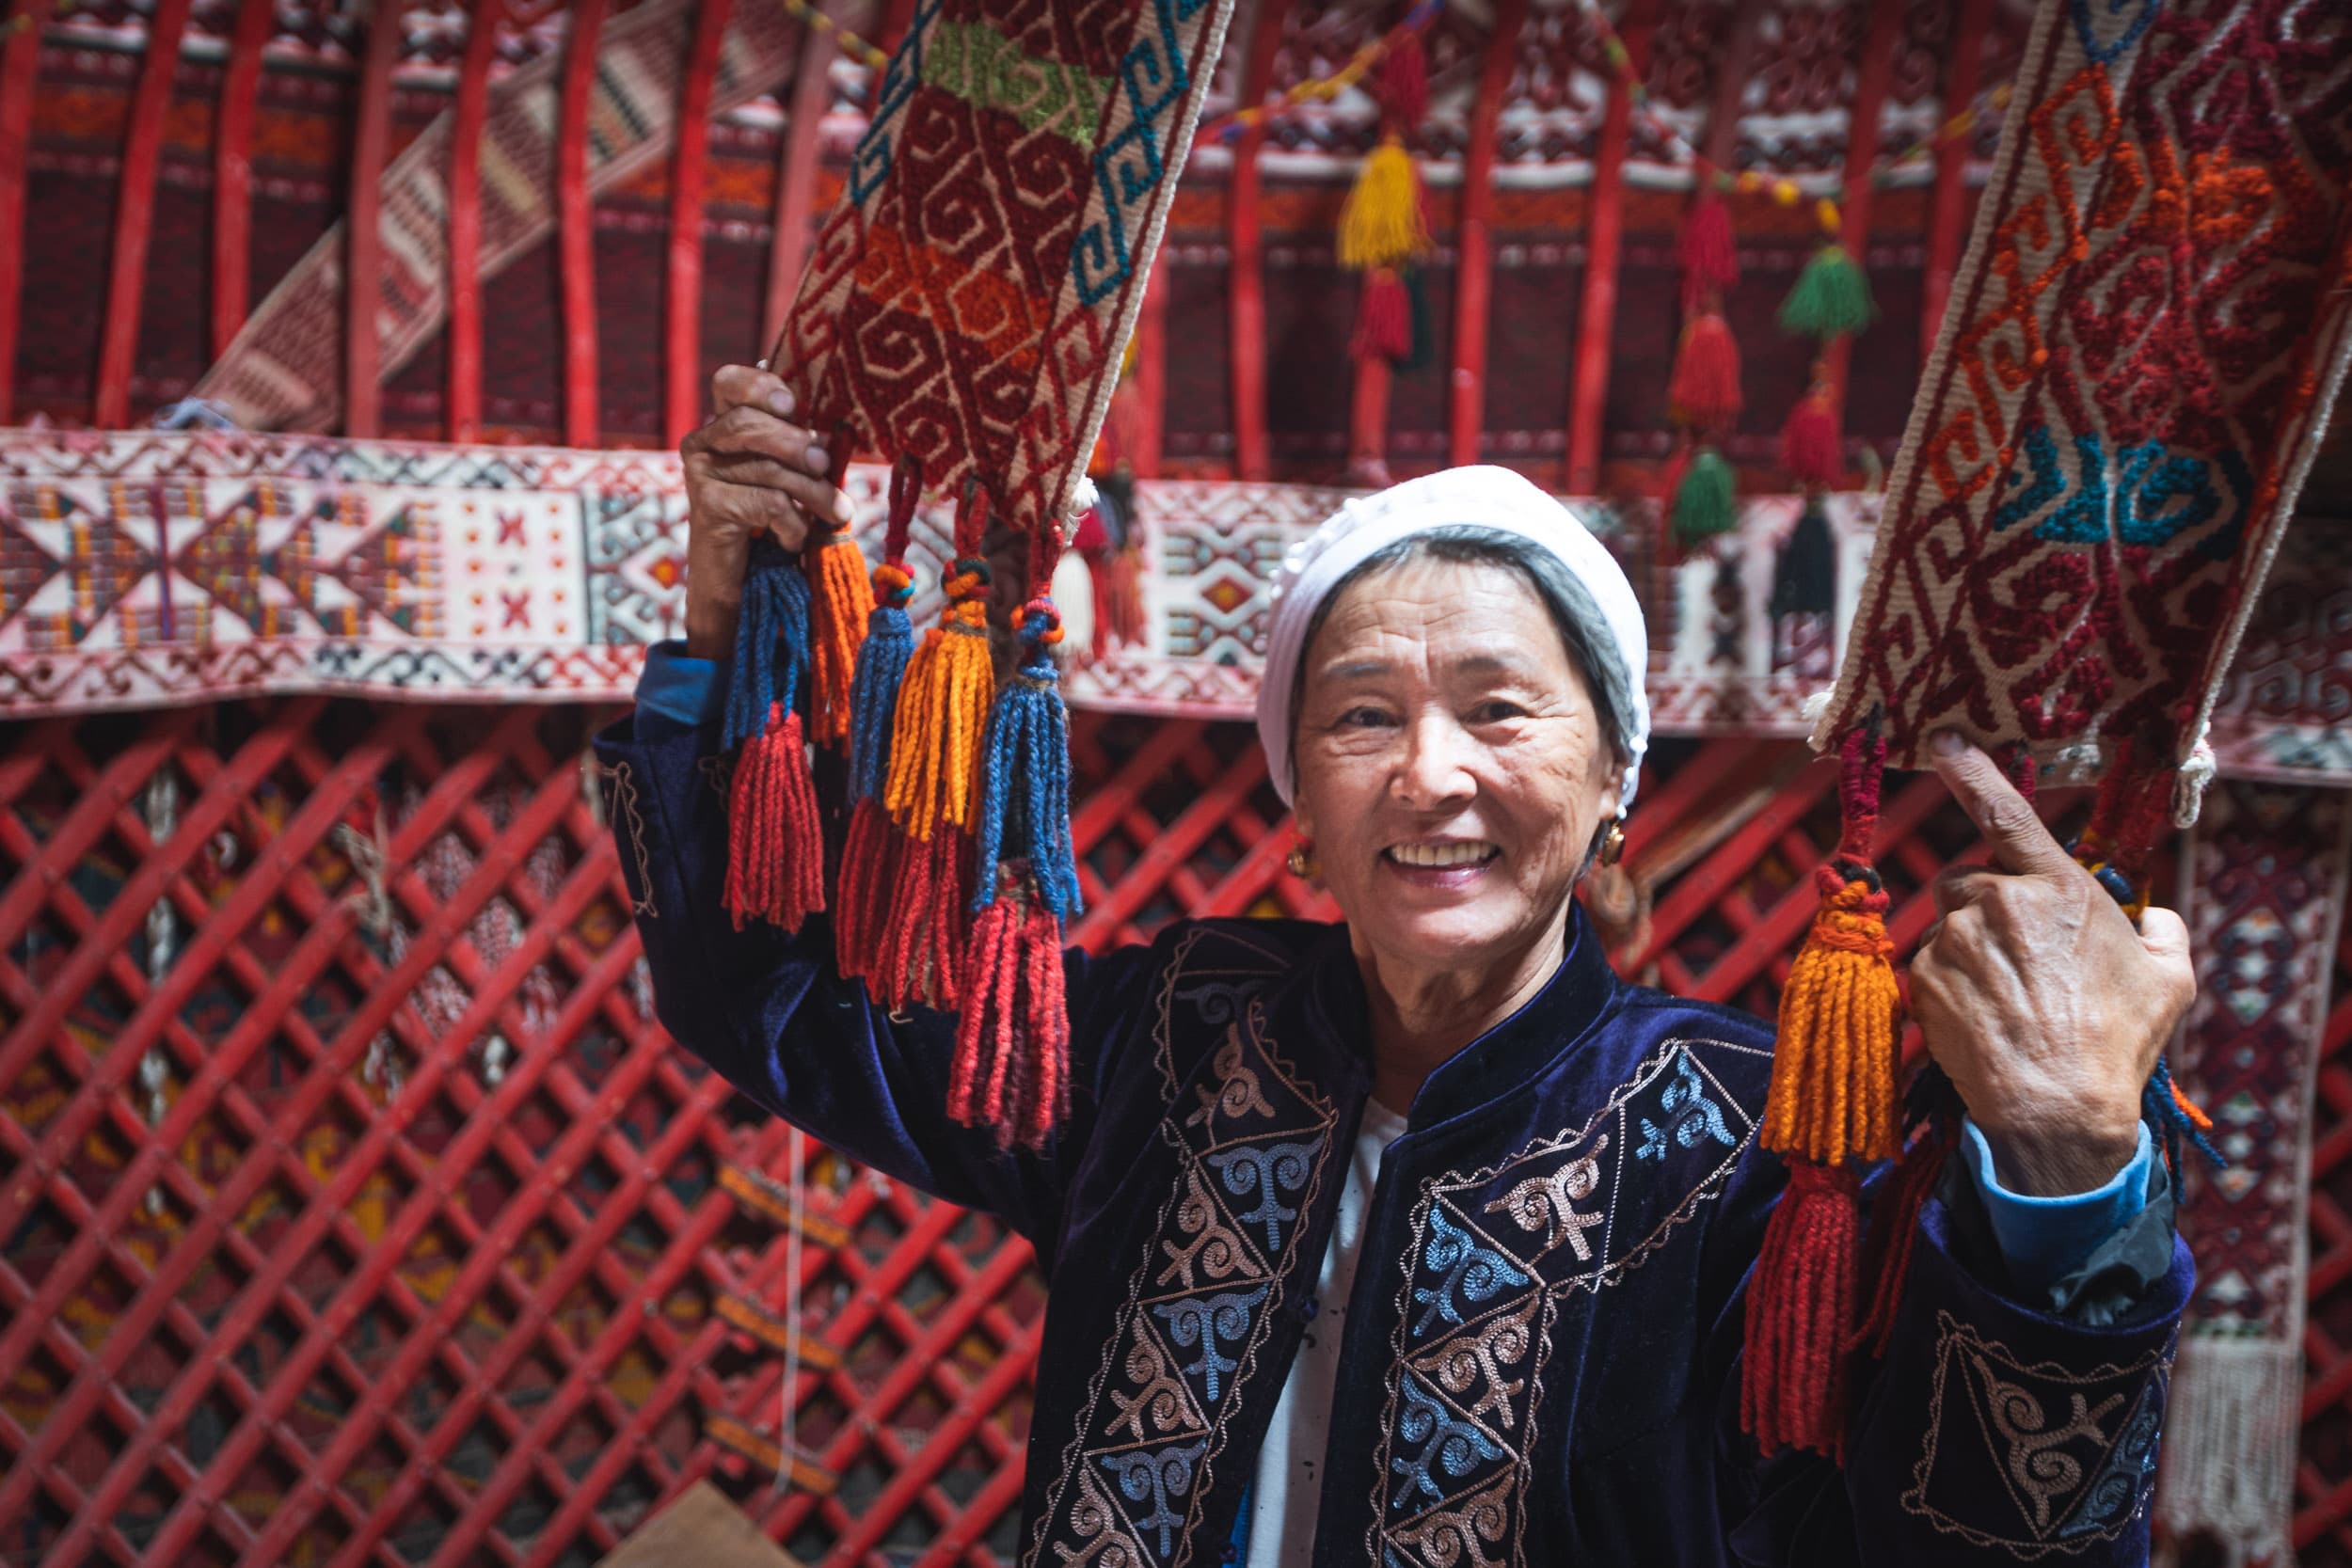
point(1575, 614)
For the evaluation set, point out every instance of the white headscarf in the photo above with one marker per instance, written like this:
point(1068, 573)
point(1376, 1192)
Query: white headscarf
point(1483, 497)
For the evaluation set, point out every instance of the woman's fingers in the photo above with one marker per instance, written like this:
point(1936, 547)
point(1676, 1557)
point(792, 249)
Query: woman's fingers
point(749, 387)
point(750, 432)
point(751, 510)
point(815, 497)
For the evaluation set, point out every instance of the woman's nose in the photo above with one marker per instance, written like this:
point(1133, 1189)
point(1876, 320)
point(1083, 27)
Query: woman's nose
point(1435, 770)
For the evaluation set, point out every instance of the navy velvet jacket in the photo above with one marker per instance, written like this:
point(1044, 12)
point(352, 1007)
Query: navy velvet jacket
point(1542, 1365)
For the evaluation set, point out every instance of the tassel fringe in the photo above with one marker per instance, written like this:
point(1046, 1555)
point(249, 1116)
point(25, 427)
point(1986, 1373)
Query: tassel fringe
point(775, 848)
point(1792, 1384)
point(943, 714)
point(1382, 224)
point(1012, 1039)
point(840, 606)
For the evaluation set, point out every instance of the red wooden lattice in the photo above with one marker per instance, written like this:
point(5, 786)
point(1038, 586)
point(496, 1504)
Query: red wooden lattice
point(356, 1211)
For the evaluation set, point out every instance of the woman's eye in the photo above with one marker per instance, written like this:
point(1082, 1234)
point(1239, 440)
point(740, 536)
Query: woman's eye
point(1362, 718)
point(1495, 710)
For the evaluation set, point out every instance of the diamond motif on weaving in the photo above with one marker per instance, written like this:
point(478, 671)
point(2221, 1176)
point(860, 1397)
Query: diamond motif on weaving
point(25, 567)
point(636, 548)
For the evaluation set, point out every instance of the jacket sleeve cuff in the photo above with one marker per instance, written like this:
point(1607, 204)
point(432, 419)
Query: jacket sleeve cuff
point(2044, 1239)
point(677, 693)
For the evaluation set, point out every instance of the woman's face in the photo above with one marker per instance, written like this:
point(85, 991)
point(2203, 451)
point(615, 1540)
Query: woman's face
point(1452, 766)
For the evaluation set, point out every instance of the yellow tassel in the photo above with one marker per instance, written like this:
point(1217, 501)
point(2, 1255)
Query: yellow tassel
point(942, 719)
point(1382, 225)
point(1833, 1092)
point(841, 599)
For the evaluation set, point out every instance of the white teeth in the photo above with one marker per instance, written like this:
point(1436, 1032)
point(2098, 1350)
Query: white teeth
point(1441, 854)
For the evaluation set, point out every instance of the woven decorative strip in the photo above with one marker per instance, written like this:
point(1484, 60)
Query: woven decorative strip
point(2143, 345)
point(966, 303)
point(306, 564)
point(284, 370)
point(2268, 870)
point(141, 570)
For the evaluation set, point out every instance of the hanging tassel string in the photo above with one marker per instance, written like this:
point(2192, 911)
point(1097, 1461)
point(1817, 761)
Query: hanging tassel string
point(841, 603)
point(1832, 1101)
point(1024, 810)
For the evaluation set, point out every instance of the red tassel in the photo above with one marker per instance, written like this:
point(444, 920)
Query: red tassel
point(775, 851)
point(869, 863)
point(921, 951)
point(1012, 1038)
point(1704, 391)
point(1384, 317)
point(1810, 447)
point(1704, 249)
point(1801, 1311)
point(1404, 83)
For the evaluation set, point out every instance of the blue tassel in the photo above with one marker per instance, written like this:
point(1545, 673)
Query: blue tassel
point(1024, 797)
point(771, 641)
point(882, 665)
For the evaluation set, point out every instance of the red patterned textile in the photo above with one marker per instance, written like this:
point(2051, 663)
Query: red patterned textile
point(2142, 347)
point(966, 303)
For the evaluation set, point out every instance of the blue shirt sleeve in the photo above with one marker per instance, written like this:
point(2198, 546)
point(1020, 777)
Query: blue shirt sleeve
point(2044, 1239)
point(676, 693)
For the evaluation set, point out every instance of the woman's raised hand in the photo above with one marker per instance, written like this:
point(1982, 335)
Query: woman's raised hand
point(2037, 995)
point(749, 471)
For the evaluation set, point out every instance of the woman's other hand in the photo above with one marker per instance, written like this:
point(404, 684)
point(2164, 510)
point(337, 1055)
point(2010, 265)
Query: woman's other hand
point(2039, 998)
point(749, 471)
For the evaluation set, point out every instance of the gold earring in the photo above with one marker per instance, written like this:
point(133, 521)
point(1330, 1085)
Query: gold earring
point(1613, 843)
point(1301, 861)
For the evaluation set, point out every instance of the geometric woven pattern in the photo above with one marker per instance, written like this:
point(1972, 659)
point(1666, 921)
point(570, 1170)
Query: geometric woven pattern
point(2110, 437)
point(966, 303)
point(356, 1211)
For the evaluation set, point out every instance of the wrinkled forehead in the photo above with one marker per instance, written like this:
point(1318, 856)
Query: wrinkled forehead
point(1437, 615)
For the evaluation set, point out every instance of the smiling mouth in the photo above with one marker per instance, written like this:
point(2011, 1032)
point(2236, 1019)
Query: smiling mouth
point(1441, 857)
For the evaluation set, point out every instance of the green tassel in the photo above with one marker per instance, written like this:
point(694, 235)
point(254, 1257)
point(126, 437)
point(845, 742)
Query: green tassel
point(1703, 503)
point(1832, 296)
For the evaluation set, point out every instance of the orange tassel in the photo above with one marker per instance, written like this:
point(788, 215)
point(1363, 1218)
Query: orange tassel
point(1833, 1094)
point(943, 715)
point(841, 598)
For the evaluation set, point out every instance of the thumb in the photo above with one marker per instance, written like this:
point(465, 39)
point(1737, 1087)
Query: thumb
point(2006, 819)
point(2165, 936)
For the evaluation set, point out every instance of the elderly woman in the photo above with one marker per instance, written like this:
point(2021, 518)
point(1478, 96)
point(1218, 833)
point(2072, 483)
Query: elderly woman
point(1423, 1239)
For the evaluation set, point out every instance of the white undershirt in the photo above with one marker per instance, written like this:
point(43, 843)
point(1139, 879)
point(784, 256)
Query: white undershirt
point(1289, 1483)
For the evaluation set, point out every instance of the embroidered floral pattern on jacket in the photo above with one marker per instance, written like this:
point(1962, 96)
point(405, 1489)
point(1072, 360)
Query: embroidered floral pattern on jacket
point(1252, 1139)
point(1493, 1254)
point(2075, 1453)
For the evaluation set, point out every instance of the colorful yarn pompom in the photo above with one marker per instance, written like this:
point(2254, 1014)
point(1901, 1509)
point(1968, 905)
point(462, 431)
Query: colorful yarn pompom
point(1704, 504)
point(1382, 225)
point(1832, 296)
point(775, 847)
point(1704, 391)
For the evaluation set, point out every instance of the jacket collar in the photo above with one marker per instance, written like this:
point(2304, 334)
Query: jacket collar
point(1326, 996)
